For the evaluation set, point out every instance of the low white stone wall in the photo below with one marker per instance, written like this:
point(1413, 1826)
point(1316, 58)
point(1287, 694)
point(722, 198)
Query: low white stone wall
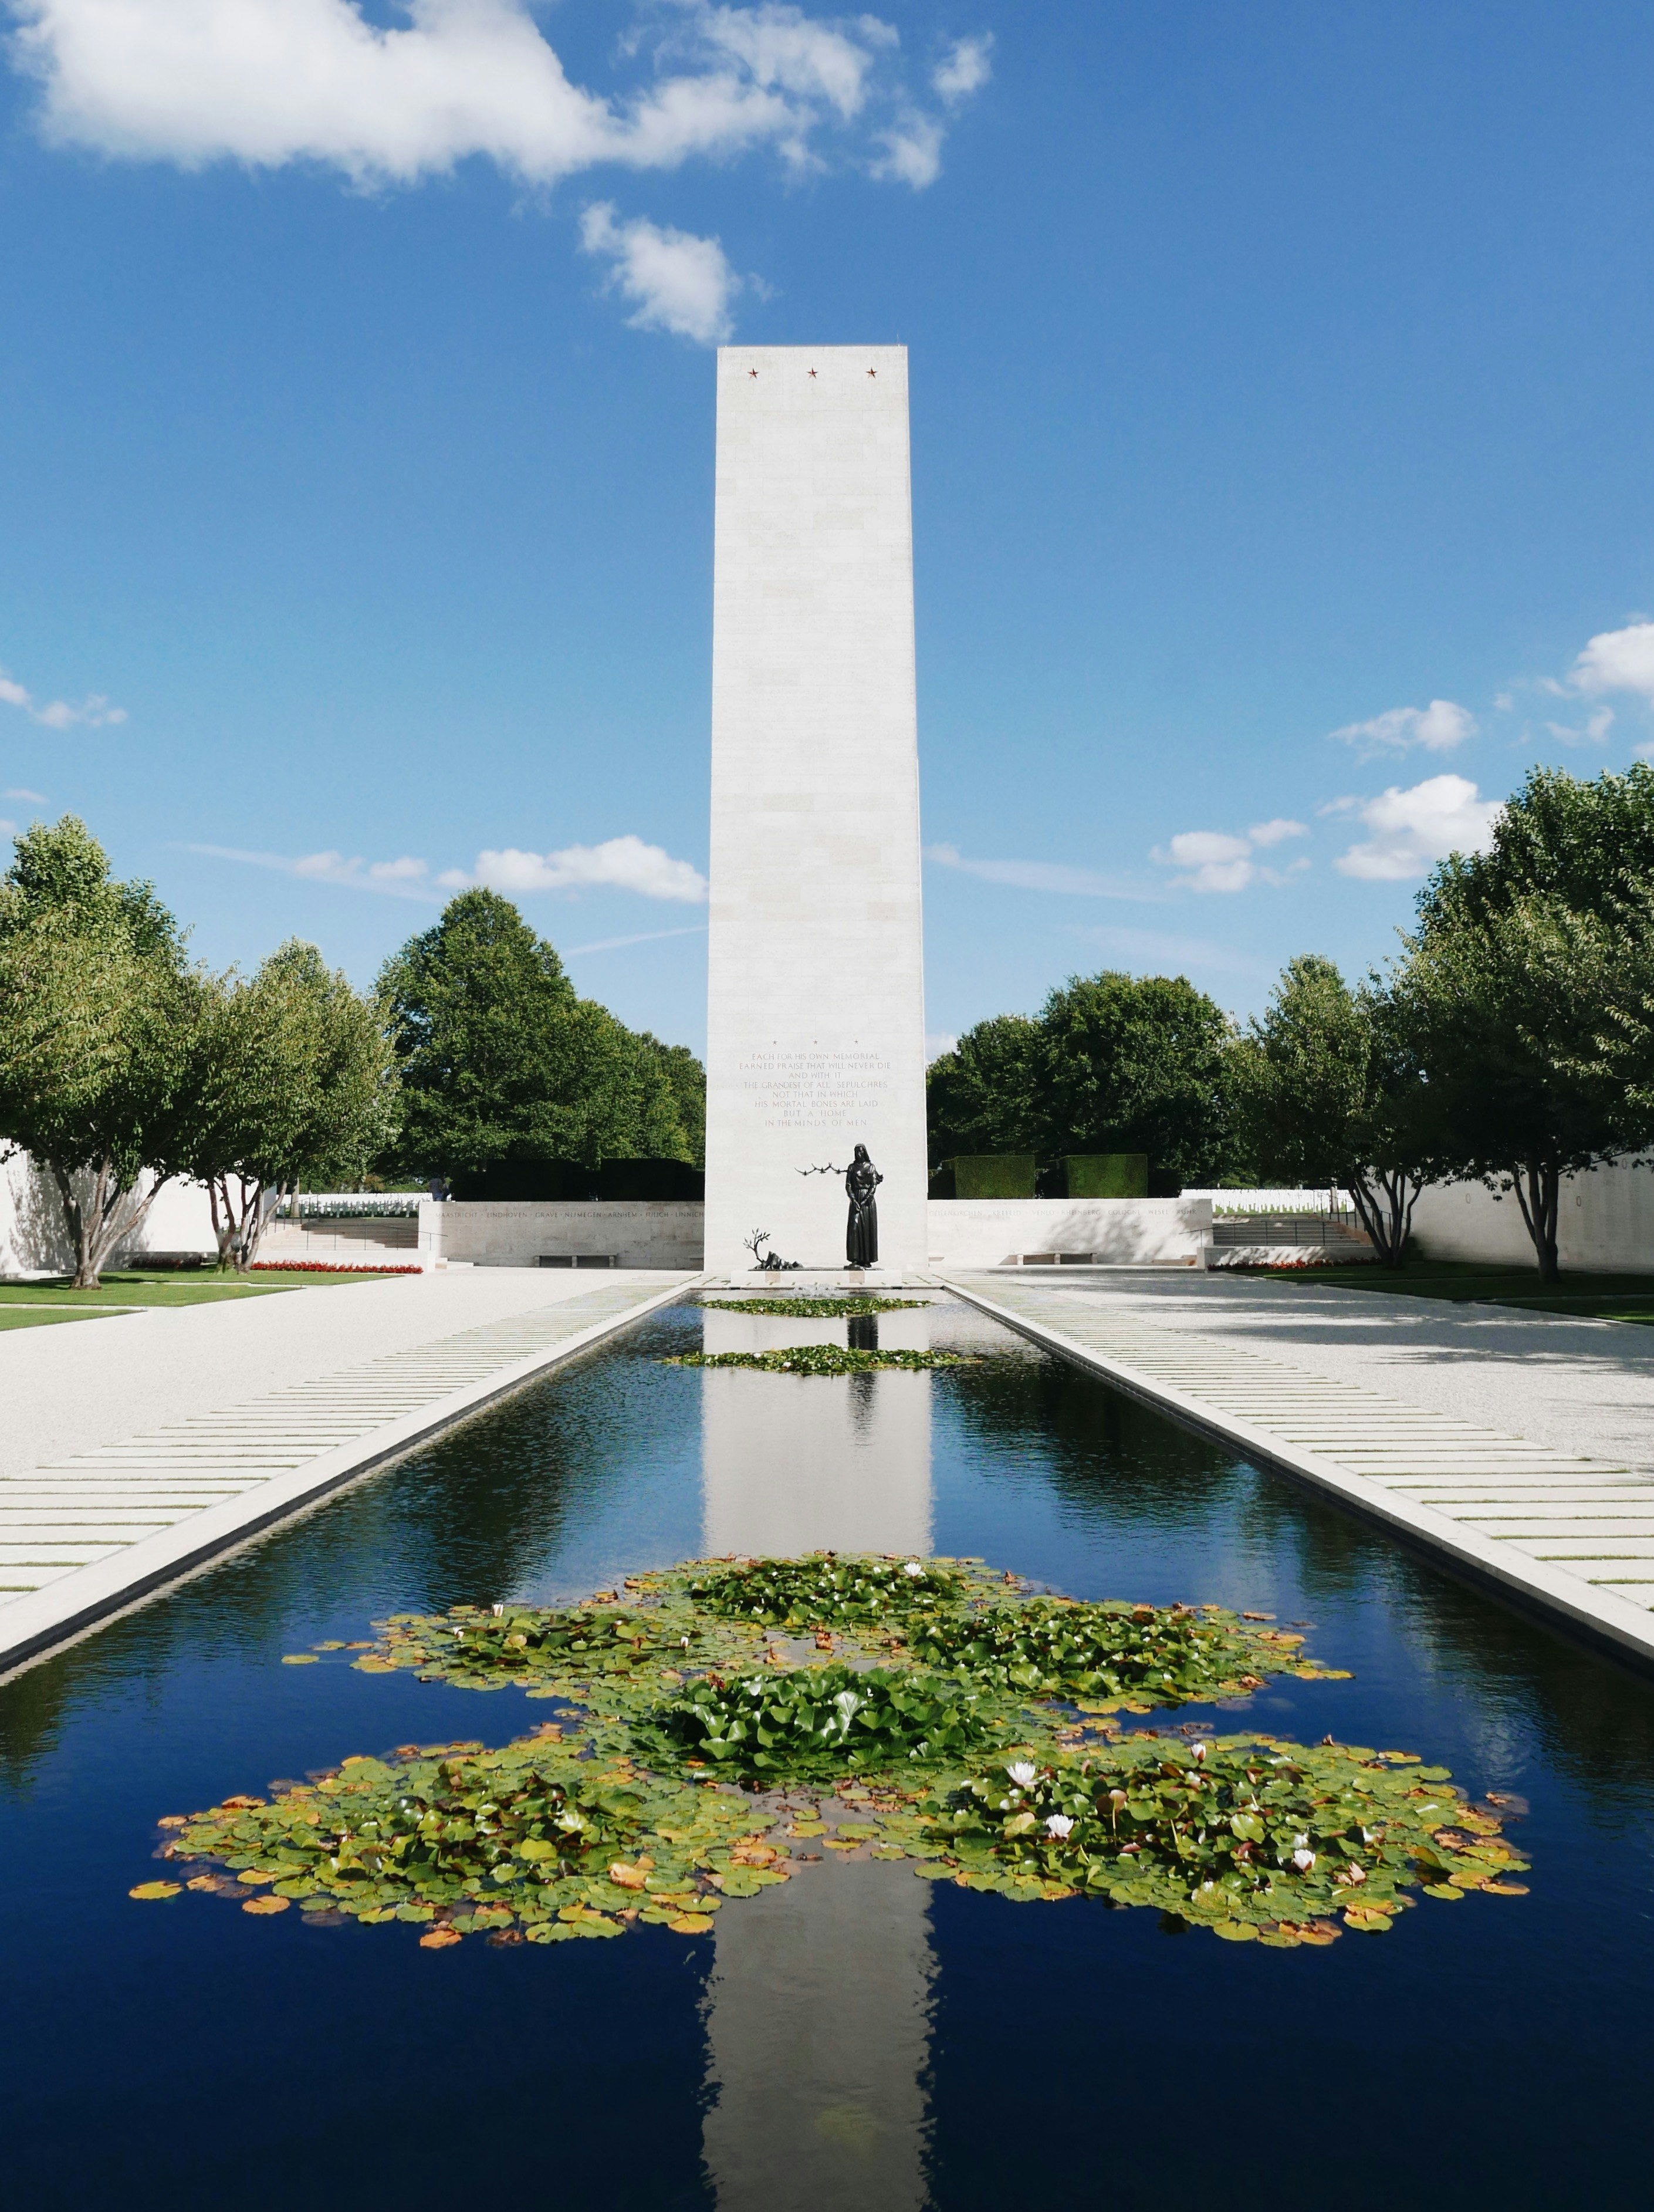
point(484, 1233)
point(1605, 1221)
point(33, 1241)
point(991, 1232)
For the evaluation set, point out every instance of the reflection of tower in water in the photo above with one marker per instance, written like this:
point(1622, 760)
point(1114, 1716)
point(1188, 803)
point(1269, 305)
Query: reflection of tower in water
point(818, 2006)
point(807, 1463)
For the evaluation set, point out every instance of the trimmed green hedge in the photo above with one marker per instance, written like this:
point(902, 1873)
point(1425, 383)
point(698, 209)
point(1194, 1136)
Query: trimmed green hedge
point(994, 1175)
point(1108, 1175)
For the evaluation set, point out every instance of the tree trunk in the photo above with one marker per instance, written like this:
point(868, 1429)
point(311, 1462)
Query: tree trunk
point(1383, 1204)
point(1539, 1193)
point(96, 1227)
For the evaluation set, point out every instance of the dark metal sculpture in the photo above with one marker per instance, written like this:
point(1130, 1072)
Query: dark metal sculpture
point(862, 1180)
point(769, 1263)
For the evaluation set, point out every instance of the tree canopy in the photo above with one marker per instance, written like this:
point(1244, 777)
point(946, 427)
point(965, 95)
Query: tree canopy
point(291, 1080)
point(98, 1011)
point(1113, 1063)
point(502, 1061)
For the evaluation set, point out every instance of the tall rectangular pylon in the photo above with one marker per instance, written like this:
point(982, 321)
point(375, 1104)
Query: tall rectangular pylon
point(815, 1017)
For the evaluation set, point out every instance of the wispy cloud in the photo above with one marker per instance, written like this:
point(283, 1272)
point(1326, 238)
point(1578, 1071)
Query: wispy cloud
point(644, 937)
point(95, 711)
point(403, 879)
point(1437, 728)
point(1219, 861)
point(1412, 829)
point(675, 282)
point(937, 1042)
point(1593, 731)
point(1153, 949)
point(35, 797)
point(625, 863)
point(964, 69)
point(1038, 875)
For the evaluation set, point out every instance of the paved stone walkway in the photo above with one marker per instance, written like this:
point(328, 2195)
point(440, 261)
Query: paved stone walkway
point(83, 1533)
point(1300, 1386)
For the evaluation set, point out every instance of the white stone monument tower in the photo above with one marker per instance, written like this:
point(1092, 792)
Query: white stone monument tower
point(816, 1019)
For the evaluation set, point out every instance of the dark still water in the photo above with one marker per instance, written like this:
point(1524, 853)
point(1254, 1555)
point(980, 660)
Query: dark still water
point(857, 2037)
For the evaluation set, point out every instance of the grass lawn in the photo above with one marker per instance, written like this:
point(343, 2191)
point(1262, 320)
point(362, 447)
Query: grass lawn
point(1597, 1298)
point(123, 1289)
point(32, 1316)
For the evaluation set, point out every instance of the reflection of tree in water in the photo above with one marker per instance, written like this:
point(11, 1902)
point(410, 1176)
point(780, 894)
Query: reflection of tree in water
point(1118, 1464)
point(465, 1519)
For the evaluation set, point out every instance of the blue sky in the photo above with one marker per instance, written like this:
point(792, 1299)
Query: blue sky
point(1281, 451)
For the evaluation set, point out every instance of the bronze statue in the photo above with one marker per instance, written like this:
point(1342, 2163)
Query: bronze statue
point(862, 1180)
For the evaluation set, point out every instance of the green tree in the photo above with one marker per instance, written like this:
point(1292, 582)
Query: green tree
point(1330, 1090)
point(98, 1009)
point(688, 1078)
point(291, 1079)
point(1537, 1025)
point(1140, 1064)
point(501, 1060)
point(984, 1095)
point(1528, 987)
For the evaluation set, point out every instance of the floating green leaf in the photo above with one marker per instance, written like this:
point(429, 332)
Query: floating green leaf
point(937, 1712)
point(816, 1309)
point(822, 1359)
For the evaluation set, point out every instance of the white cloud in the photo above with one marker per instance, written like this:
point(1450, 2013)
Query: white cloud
point(937, 1042)
point(1036, 875)
point(1217, 862)
point(1412, 829)
point(965, 68)
point(1275, 832)
point(1220, 861)
point(268, 82)
point(676, 282)
point(1617, 660)
point(620, 863)
point(1438, 727)
point(911, 152)
point(8, 829)
point(95, 712)
point(37, 798)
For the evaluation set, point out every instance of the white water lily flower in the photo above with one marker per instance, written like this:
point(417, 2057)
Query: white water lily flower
point(1300, 1843)
point(913, 1567)
point(1022, 1773)
point(1200, 1753)
point(497, 1610)
point(1058, 1824)
point(1303, 1861)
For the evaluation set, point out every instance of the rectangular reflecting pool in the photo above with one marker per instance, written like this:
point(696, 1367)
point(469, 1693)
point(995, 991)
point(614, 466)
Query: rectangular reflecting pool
point(855, 2037)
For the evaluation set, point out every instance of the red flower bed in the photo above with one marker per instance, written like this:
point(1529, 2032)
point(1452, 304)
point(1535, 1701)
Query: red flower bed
point(324, 1267)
